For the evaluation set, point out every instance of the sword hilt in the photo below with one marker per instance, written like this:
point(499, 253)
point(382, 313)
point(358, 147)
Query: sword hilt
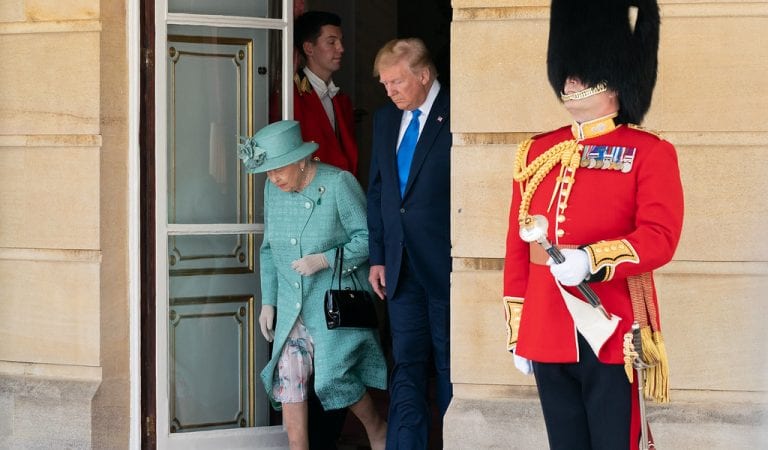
point(637, 343)
point(558, 257)
point(534, 229)
point(640, 366)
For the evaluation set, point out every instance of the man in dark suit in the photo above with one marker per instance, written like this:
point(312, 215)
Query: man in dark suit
point(409, 224)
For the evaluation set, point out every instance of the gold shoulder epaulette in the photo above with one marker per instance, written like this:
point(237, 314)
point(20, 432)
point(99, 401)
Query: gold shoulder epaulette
point(645, 130)
point(302, 84)
point(520, 159)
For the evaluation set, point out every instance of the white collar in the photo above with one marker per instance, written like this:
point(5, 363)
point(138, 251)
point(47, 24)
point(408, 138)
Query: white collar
point(430, 100)
point(319, 85)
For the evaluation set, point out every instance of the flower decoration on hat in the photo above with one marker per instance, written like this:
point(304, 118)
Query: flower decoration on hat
point(252, 155)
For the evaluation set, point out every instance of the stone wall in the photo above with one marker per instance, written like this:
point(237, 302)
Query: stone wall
point(111, 404)
point(50, 256)
point(710, 101)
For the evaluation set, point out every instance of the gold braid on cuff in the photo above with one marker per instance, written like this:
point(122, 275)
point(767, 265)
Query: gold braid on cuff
point(513, 309)
point(609, 254)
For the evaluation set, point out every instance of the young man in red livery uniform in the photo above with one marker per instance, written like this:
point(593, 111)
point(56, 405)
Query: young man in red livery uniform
point(324, 112)
point(609, 196)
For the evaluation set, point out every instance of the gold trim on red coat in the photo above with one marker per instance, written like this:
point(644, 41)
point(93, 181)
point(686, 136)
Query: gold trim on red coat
point(609, 254)
point(513, 310)
point(302, 84)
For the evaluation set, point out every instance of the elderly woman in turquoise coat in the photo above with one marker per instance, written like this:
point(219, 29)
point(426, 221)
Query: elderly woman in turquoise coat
point(310, 210)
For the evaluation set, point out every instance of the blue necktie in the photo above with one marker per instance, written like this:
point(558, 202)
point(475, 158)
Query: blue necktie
point(405, 151)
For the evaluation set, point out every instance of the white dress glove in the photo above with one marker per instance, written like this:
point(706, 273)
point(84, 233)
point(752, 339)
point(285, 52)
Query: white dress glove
point(523, 365)
point(267, 322)
point(310, 264)
point(573, 270)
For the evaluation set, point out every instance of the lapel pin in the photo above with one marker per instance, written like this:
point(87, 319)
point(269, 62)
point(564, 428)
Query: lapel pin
point(439, 118)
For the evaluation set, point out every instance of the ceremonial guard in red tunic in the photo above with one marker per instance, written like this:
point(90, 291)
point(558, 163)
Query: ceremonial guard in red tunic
point(596, 207)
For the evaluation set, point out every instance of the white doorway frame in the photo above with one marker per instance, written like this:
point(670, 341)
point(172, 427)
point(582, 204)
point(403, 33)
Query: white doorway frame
point(241, 437)
point(133, 44)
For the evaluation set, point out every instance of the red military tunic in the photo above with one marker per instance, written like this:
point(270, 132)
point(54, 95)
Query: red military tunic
point(632, 199)
point(338, 147)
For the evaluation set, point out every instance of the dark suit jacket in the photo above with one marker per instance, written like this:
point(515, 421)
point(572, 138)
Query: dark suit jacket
point(419, 222)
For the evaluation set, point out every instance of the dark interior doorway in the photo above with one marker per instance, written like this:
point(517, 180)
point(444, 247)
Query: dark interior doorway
point(367, 26)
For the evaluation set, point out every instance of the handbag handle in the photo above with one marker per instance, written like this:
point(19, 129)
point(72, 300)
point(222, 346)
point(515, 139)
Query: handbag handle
point(338, 264)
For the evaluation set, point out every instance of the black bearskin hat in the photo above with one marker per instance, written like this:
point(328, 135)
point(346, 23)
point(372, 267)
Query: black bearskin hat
point(595, 41)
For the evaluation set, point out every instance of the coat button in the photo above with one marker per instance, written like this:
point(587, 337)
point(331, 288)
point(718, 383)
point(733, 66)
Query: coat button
point(307, 205)
point(293, 241)
point(296, 285)
point(298, 305)
point(402, 210)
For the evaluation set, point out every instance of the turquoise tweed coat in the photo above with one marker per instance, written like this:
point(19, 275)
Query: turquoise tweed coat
point(328, 213)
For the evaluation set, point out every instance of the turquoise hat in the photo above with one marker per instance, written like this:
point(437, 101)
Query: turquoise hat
point(274, 146)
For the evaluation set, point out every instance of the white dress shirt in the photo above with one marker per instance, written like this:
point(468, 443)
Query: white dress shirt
point(424, 108)
point(326, 92)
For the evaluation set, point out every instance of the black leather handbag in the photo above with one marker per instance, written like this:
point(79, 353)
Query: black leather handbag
point(348, 308)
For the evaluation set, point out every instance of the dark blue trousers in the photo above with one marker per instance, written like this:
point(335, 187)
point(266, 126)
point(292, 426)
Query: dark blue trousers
point(587, 405)
point(420, 327)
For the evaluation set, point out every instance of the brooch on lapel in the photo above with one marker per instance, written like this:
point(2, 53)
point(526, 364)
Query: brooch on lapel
point(608, 157)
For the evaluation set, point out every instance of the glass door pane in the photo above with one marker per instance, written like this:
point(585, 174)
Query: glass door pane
point(218, 90)
point(248, 8)
point(214, 354)
point(222, 79)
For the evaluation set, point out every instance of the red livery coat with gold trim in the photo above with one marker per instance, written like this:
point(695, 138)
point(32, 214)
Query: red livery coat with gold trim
point(340, 151)
point(644, 207)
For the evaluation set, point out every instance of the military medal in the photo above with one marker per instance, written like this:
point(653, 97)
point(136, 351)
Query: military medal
point(627, 160)
point(608, 157)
